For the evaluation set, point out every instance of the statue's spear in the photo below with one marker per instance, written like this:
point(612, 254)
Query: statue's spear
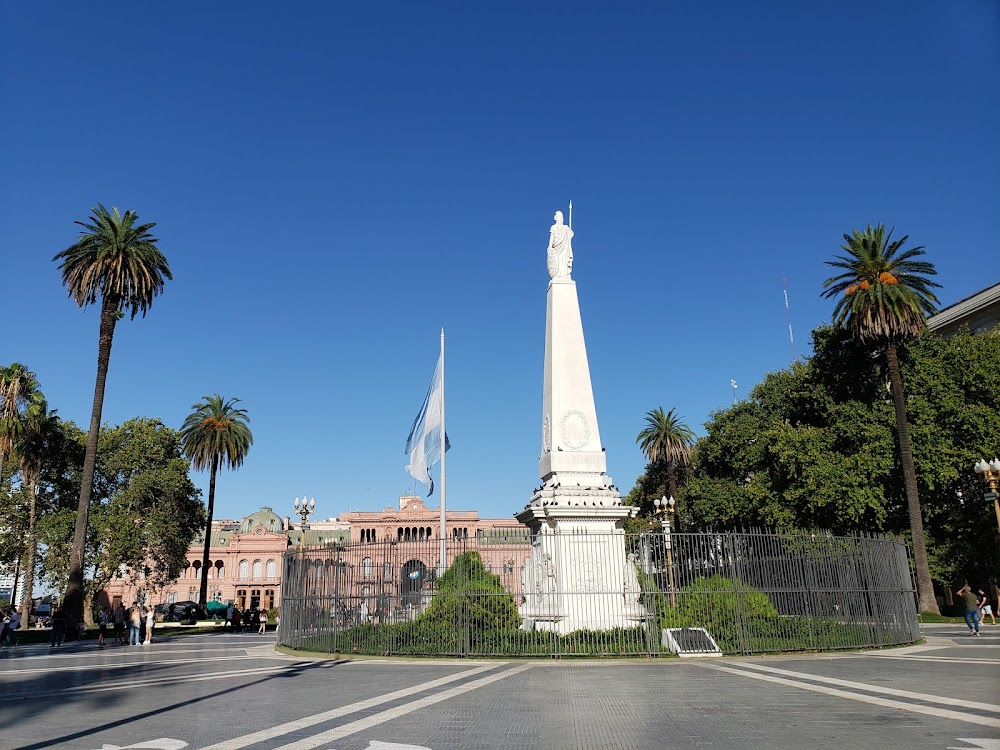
point(571, 214)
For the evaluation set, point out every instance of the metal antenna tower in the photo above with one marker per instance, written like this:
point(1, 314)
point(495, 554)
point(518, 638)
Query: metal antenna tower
point(788, 315)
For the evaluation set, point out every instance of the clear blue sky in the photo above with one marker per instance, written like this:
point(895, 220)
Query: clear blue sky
point(333, 183)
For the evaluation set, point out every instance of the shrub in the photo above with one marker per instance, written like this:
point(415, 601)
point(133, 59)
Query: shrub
point(468, 593)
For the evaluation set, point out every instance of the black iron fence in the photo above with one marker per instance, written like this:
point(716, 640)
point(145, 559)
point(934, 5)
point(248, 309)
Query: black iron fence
point(511, 593)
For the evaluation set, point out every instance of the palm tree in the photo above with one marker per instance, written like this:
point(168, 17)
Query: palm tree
point(666, 439)
point(215, 434)
point(884, 296)
point(21, 405)
point(115, 262)
point(32, 450)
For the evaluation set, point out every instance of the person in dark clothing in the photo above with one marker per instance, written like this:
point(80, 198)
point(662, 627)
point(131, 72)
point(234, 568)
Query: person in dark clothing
point(58, 627)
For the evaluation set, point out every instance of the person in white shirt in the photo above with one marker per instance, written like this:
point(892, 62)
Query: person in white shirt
point(150, 621)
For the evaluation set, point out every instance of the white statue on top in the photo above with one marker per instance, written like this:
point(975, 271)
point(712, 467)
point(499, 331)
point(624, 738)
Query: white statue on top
point(560, 255)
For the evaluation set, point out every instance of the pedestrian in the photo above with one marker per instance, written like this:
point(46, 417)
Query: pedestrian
point(102, 626)
point(971, 608)
point(263, 622)
point(237, 616)
point(150, 621)
point(58, 626)
point(119, 620)
point(985, 608)
point(15, 623)
point(4, 627)
point(134, 623)
point(230, 612)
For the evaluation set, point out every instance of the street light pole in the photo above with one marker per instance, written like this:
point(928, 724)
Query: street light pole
point(305, 509)
point(990, 472)
point(664, 509)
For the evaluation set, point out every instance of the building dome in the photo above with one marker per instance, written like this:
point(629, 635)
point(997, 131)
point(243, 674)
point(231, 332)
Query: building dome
point(265, 517)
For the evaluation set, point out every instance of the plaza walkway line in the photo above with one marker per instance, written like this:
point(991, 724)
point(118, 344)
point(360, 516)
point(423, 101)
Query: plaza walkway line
point(238, 743)
point(127, 664)
point(309, 743)
point(944, 713)
point(991, 707)
point(151, 681)
point(946, 659)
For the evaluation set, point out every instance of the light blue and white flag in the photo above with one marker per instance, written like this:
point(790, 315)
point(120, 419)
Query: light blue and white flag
point(424, 443)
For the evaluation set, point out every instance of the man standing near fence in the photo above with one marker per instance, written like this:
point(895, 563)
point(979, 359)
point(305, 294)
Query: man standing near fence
point(971, 608)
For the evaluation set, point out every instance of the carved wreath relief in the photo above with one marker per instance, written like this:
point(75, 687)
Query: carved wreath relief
point(574, 430)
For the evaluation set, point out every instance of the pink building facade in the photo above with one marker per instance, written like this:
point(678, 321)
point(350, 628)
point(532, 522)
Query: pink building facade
point(245, 557)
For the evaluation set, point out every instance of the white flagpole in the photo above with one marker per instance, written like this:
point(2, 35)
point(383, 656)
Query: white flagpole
point(443, 563)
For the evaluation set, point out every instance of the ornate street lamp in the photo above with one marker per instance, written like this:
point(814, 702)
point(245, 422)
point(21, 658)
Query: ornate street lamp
point(990, 472)
point(305, 509)
point(664, 508)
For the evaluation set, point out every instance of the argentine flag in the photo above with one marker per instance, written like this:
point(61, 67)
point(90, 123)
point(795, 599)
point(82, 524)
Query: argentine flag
point(423, 446)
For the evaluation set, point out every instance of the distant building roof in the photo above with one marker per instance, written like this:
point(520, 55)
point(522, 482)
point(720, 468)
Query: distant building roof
point(265, 517)
point(979, 311)
point(320, 537)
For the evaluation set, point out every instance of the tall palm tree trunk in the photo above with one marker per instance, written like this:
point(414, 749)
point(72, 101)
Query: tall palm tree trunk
point(672, 479)
point(29, 565)
point(73, 602)
point(925, 589)
point(203, 595)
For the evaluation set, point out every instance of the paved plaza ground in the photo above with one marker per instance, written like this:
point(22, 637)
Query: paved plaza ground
point(233, 692)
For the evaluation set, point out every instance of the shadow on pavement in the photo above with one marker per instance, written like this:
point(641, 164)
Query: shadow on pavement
point(30, 705)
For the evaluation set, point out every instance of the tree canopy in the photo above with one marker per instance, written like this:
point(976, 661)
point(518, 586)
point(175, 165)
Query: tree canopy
point(145, 512)
point(813, 446)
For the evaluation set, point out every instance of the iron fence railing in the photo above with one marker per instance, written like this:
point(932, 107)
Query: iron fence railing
point(591, 594)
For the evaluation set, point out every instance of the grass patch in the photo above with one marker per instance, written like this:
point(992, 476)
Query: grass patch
point(929, 618)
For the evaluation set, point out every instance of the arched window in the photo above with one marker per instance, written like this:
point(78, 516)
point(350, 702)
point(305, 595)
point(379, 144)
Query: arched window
point(258, 568)
point(387, 571)
point(366, 566)
point(220, 569)
point(399, 535)
point(244, 568)
point(272, 569)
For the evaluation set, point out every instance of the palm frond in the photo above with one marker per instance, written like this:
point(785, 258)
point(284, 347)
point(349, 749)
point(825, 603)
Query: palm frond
point(883, 294)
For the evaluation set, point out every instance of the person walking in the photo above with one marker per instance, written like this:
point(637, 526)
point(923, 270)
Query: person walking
point(263, 622)
point(150, 621)
point(102, 626)
point(985, 608)
point(58, 626)
point(230, 612)
point(4, 627)
point(15, 623)
point(119, 624)
point(134, 623)
point(971, 608)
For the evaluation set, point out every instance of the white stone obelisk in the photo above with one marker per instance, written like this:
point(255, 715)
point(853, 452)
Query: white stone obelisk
point(578, 574)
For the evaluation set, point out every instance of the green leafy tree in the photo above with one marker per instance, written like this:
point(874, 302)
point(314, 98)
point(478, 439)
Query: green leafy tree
point(666, 441)
point(22, 406)
point(56, 491)
point(882, 297)
point(215, 434)
point(33, 448)
point(815, 446)
point(468, 593)
point(151, 511)
point(146, 510)
point(115, 262)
